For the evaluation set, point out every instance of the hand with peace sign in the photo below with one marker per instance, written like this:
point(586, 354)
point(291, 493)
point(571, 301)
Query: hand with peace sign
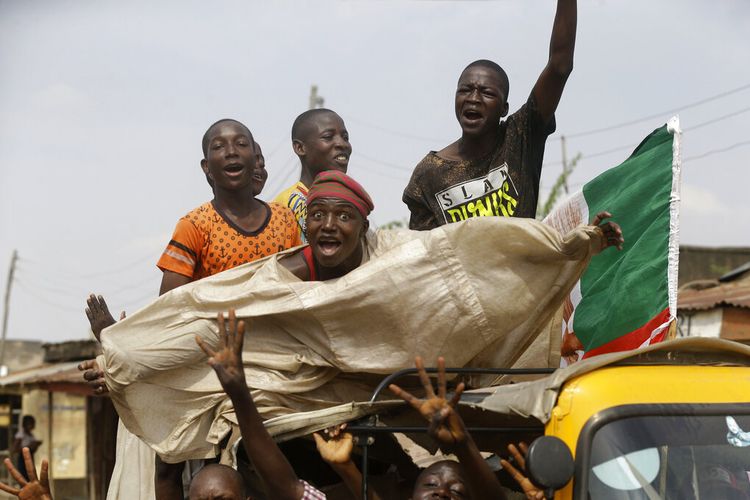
point(448, 429)
point(529, 488)
point(445, 425)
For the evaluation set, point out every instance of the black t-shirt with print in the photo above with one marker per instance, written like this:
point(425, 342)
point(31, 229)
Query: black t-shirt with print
point(504, 183)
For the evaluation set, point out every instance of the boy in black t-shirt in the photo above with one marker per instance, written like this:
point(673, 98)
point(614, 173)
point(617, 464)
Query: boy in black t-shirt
point(495, 167)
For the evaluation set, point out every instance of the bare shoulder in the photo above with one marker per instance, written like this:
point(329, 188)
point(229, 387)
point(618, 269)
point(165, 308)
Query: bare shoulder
point(450, 152)
point(295, 263)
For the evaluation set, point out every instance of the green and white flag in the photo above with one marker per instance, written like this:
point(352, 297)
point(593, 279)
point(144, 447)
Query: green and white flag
point(627, 299)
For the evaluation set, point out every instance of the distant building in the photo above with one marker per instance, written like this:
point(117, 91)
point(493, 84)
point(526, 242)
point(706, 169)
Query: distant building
point(77, 429)
point(701, 263)
point(716, 307)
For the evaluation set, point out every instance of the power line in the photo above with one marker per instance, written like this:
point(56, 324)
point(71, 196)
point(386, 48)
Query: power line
point(405, 135)
point(50, 289)
point(400, 168)
point(716, 151)
point(699, 156)
point(661, 114)
point(40, 298)
point(720, 118)
point(277, 146)
point(387, 175)
point(632, 146)
point(70, 274)
point(289, 169)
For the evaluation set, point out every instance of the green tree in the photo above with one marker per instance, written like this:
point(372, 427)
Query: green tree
point(560, 185)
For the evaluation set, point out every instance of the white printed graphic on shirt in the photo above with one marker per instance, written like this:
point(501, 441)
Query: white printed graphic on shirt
point(490, 195)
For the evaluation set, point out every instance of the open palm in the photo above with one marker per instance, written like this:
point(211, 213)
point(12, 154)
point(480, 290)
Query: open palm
point(227, 359)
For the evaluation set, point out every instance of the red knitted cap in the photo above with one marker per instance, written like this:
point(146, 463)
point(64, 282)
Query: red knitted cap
point(335, 184)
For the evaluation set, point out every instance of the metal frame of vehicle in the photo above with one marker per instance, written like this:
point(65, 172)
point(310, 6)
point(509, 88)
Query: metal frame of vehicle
point(587, 402)
point(604, 417)
point(371, 425)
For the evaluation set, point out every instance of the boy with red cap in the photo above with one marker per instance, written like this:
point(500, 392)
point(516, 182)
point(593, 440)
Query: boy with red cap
point(337, 210)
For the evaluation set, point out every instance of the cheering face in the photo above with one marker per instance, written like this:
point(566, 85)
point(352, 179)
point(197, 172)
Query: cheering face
point(334, 230)
point(231, 158)
point(480, 100)
point(326, 145)
point(441, 480)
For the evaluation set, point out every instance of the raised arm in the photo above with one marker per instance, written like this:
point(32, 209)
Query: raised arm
point(447, 428)
point(549, 87)
point(269, 461)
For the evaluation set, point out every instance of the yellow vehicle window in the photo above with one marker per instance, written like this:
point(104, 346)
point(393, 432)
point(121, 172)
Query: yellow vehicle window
point(671, 457)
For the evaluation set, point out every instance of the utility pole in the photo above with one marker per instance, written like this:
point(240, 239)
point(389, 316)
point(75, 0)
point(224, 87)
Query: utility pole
point(8, 286)
point(316, 101)
point(565, 163)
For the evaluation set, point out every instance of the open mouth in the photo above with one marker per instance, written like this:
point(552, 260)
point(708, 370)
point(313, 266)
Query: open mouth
point(234, 168)
point(329, 247)
point(472, 115)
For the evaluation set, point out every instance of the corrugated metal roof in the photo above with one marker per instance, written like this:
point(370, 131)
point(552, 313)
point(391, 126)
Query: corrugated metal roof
point(736, 294)
point(50, 373)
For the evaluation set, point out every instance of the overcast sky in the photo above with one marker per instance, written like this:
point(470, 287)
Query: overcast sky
point(103, 104)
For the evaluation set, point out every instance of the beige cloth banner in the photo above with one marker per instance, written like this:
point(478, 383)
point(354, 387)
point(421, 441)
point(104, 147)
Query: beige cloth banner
point(478, 293)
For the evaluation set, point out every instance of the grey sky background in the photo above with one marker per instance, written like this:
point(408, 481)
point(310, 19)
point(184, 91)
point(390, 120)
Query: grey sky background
point(103, 104)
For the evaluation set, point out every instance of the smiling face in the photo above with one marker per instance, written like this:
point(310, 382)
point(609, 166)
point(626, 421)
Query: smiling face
point(260, 176)
point(334, 230)
point(481, 100)
point(323, 144)
point(230, 156)
point(441, 480)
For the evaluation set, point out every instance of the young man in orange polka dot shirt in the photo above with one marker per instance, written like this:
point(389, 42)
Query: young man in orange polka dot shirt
point(230, 230)
point(235, 227)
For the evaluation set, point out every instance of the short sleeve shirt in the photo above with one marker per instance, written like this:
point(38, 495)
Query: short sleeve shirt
point(205, 243)
point(504, 183)
point(295, 199)
point(27, 439)
point(311, 493)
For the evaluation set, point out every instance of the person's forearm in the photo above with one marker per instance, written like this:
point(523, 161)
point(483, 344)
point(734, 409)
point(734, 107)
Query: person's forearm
point(267, 458)
point(563, 40)
point(352, 478)
point(479, 477)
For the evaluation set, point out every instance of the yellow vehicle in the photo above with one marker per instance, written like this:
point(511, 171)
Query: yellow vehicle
point(668, 422)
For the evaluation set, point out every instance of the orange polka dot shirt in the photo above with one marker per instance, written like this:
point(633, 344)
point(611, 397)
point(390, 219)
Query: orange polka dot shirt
point(205, 243)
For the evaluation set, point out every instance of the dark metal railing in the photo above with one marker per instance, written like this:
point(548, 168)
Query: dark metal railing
point(365, 432)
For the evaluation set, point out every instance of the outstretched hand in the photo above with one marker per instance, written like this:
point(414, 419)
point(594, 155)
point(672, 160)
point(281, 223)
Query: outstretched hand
point(611, 230)
point(445, 425)
point(33, 489)
point(529, 489)
point(98, 314)
point(94, 376)
point(227, 360)
point(336, 447)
